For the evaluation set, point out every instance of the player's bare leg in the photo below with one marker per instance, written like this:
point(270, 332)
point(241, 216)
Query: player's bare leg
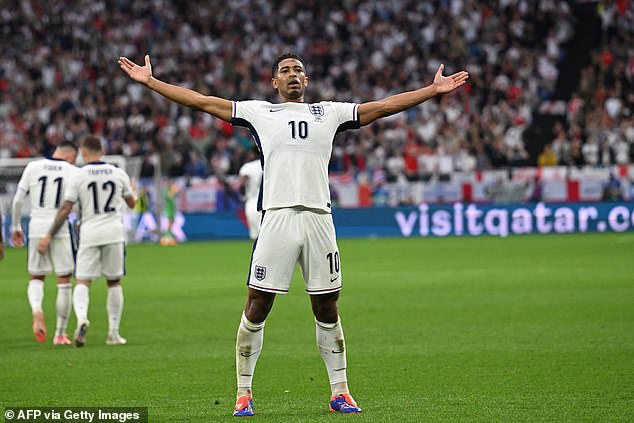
point(115, 310)
point(35, 294)
point(248, 346)
point(332, 348)
point(62, 305)
point(81, 300)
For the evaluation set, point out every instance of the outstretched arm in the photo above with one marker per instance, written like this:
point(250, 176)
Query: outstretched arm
point(371, 111)
point(215, 106)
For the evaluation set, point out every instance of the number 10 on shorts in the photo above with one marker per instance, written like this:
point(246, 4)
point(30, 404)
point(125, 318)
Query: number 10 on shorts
point(333, 260)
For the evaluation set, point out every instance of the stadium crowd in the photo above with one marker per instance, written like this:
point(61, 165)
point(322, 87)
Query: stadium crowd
point(59, 79)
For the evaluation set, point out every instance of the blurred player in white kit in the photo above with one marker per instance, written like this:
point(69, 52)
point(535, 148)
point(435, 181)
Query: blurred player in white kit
point(101, 190)
point(250, 178)
point(44, 181)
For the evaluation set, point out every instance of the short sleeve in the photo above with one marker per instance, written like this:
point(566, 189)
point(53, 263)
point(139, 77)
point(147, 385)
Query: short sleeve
point(24, 182)
point(347, 112)
point(348, 116)
point(126, 189)
point(71, 192)
point(243, 112)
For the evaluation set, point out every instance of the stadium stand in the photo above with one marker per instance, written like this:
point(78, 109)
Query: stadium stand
point(542, 72)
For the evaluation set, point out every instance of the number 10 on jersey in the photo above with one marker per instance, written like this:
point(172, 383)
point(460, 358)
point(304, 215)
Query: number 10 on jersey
point(299, 129)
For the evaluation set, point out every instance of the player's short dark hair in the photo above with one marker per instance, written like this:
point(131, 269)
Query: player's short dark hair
point(92, 143)
point(284, 56)
point(69, 145)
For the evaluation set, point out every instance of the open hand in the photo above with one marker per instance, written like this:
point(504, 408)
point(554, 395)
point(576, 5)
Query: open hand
point(445, 84)
point(42, 246)
point(141, 74)
point(18, 238)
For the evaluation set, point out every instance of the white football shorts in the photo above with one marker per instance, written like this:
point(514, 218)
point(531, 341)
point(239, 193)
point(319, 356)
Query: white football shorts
point(60, 256)
point(288, 236)
point(94, 261)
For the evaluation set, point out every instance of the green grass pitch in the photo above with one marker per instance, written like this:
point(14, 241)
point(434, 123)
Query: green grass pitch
point(517, 329)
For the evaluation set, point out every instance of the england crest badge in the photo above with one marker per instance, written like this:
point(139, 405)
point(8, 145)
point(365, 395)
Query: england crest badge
point(260, 272)
point(316, 109)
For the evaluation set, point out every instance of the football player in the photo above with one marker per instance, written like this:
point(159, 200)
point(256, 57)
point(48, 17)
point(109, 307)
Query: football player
point(295, 141)
point(101, 190)
point(44, 181)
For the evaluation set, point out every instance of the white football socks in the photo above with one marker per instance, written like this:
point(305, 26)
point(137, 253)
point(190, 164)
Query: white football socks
point(35, 294)
point(115, 308)
point(80, 302)
point(248, 346)
point(63, 307)
point(332, 347)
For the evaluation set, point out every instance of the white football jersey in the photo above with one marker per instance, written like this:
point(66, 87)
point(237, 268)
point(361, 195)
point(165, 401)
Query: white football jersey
point(253, 171)
point(99, 188)
point(295, 142)
point(45, 181)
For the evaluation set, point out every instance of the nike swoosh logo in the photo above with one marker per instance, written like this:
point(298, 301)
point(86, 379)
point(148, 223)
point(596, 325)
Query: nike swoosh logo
point(246, 355)
point(337, 352)
point(334, 279)
point(275, 110)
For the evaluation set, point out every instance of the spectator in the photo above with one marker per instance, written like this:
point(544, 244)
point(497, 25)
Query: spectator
point(612, 190)
point(195, 167)
point(547, 157)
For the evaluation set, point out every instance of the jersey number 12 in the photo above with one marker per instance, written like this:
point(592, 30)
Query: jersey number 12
point(105, 187)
